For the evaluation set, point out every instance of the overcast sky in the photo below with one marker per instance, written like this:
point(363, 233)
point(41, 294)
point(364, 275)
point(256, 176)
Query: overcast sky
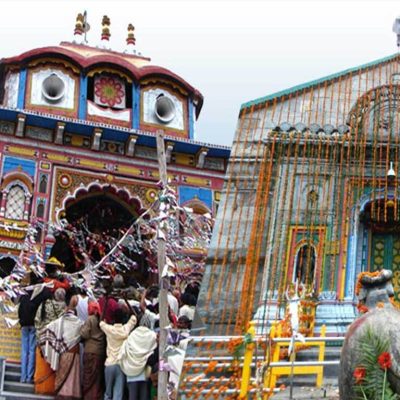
point(232, 51)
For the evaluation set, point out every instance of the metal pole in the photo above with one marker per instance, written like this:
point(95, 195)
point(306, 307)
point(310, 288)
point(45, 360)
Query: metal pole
point(162, 392)
point(292, 359)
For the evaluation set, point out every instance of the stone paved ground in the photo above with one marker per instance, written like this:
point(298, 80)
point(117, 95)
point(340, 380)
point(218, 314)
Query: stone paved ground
point(305, 393)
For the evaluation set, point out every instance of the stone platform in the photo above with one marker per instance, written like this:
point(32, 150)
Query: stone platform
point(306, 393)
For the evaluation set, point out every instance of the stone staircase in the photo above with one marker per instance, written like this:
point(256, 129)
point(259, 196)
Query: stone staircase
point(198, 379)
point(331, 372)
point(10, 386)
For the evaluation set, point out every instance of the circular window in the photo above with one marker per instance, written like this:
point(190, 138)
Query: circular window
point(53, 88)
point(164, 109)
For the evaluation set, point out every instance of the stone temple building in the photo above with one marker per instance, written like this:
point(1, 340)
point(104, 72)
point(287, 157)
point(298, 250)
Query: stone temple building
point(311, 196)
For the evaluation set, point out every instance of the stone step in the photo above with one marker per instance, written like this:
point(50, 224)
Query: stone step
point(11, 376)
point(18, 387)
point(16, 367)
point(305, 393)
point(13, 389)
point(23, 396)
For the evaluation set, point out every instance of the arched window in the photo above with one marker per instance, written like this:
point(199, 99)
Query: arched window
point(43, 184)
point(305, 265)
point(40, 209)
point(15, 205)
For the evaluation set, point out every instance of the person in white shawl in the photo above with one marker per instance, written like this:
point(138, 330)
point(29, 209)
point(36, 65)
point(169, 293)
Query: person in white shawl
point(133, 357)
point(59, 344)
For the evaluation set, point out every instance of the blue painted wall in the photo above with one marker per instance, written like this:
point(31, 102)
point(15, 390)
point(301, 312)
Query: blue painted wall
point(135, 106)
point(191, 119)
point(13, 163)
point(187, 193)
point(21, 88)
point(82, 110)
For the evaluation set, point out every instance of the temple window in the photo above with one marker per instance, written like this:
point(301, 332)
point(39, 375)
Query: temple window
point(305, 265)
point(40, 209)
point(43, 184)
point(312, 198)
point(15, 205)
point(110, 91)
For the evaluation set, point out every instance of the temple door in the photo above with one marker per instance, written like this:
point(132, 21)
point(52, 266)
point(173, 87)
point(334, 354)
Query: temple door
point(385, 253)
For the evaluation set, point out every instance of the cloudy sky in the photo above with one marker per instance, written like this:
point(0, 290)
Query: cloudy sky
point(232, 51)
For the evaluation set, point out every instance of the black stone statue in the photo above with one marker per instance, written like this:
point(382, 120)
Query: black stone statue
point(382, 319)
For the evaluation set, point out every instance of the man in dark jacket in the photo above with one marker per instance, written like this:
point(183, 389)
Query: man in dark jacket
point(26, 314)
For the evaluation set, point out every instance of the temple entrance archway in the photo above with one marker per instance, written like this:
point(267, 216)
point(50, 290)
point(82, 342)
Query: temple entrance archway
point(381, 221)
point(100, 211)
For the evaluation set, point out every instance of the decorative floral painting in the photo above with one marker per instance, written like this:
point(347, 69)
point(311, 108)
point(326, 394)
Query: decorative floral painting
point(109, 91)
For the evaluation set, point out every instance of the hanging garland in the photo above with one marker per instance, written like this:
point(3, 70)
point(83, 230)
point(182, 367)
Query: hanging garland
point(165, 218)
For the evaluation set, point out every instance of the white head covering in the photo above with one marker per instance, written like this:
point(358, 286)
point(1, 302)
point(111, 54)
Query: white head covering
point(136, 350)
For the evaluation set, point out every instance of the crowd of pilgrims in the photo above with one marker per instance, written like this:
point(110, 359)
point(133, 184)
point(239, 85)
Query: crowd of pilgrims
point(78, 347)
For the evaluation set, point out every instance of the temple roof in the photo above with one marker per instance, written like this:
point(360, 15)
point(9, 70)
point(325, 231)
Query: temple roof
point(87, 57)
point(316, 82)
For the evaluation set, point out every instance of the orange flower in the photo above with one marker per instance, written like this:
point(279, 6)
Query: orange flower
point(359, 374)
point(360, 275)
point(362, 308)
point(380, 305)
point(385, 360)
point(211, 366)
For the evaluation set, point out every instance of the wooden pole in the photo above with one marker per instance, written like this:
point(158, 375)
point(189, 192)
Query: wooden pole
point(162, 392)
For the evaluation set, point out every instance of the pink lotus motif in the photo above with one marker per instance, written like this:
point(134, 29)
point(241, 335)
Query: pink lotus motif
point(109, 91)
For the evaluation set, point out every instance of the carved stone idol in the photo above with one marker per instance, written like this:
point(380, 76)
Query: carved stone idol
point(381, 320)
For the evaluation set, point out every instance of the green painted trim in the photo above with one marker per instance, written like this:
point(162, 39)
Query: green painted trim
point(315, 82)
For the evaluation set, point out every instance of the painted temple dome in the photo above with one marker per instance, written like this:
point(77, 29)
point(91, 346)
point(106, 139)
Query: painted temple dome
point(101, 85)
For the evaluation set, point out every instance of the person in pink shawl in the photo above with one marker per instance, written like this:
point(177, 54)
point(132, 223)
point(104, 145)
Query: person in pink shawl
point(60, 346)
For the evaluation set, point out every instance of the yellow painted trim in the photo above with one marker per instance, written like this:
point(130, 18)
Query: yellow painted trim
point(90, 163)
point(155, 80)
point(45, 165)
point(129, 170)
point(77, 140)
point(248, 358)
point(102, 70)
point(21, 150)
point(57, 157)
point(55, 61)
point(272, 374)
point(156, 174)
point(197, 181)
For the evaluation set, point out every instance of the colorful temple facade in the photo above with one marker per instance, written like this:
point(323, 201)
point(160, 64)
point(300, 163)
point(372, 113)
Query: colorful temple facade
point(311, 197)
point(78, 128)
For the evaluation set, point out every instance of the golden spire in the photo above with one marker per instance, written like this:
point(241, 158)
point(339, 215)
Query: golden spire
point(105, 32)
point(130, 40)
point(79, 24)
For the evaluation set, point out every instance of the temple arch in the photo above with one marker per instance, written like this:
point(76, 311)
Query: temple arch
point(103, 210)
point(304, 264)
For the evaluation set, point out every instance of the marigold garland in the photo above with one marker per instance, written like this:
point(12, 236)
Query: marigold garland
point(361, 275)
